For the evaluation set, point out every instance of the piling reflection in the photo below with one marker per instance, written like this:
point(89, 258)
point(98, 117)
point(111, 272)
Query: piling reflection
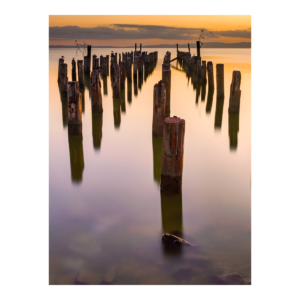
point(76, 157)
point(82, 98)
point(233, 129)
point(97, 121)
point(64, 107)
point(87, 83)
point(135, 86)
point(209, 100)
point(171, 215)
point(104, 80)
point(203, 91)
point(157, 145)
point(129, 90)
point(122, 99)
point(219, 113)
point(117, 112)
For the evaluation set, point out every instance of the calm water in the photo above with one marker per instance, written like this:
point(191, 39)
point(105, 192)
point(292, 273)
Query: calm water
point(107, 214)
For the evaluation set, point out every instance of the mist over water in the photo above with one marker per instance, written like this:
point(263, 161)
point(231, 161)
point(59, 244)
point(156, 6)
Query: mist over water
point(106, 211)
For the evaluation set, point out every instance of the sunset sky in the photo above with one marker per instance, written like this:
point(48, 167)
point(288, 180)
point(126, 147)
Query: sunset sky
point(109, 30)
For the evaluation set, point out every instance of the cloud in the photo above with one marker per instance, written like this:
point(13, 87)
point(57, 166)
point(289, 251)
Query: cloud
point(133, 31)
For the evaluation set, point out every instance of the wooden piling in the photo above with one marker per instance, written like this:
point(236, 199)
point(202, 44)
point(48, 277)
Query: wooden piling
point(189, 47)
point(210, 75)
point(198, 48)
point(235, 93)
point(86, 65)
point(166, 78)
point(172, 156)
point(96, 92)
point(116, 81)
point(73, 70)
point(220, 80)
point(74, 108)
point(80, 73)
point(63, 75)
point(60, 61)
point(159, 102)
point(94, 62)
point(199, 67)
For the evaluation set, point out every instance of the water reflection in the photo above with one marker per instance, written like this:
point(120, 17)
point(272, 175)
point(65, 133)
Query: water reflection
point(203, 91)
point(219, 113)
point(157, 144)
point(76, 157)
point(87, 83)
point(82, 98)
point(117, 112)
point(209, 99)
point(122, 99)
point(64, 107)
point(104, 79)
point(97, 121)
point(233, 129)
point(135, 86)
point(129, 90)
point(171, 215)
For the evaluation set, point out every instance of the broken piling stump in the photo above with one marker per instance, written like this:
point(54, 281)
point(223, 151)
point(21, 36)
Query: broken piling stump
point(220, 80)
point(235, 93)
point(74, 108)
point(172, 156)
point(80, 73)
point(63, 81)
point(159, 102)
point(210, 75)
point(166, 78)
point(96, 92)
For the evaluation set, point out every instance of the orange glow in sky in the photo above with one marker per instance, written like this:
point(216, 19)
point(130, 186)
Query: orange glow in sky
point(210, 23)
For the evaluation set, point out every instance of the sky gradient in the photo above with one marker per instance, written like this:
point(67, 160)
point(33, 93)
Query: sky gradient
point(148, 30)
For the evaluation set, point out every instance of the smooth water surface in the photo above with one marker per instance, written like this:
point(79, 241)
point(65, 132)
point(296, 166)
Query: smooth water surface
point(107, 214)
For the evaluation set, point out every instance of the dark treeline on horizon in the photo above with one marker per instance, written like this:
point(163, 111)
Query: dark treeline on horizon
point(192, 45)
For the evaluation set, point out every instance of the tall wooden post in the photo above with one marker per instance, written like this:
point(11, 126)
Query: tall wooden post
point(74, 108)
point(73, 70)
point(210, 75)
point(60, 61)
point(198, 48)
point(220, 80)
point(235, 92)
point(159, 102)
point(63, 75)
point(189, 47)
point(172, 156)
point(80, 73)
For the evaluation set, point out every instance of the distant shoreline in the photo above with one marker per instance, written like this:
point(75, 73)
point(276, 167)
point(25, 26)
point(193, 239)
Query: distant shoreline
point(244, 45)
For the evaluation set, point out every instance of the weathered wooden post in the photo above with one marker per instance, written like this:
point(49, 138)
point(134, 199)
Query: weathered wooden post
point(199, 67)
point(96, 92)
point(64, 106)
point(76, 157)
point(94, 62)
point(73, 70)
point(166, 78)
point(203, 71)
point(172, 156)
point(119, 58)
point(157, 146)
point(87, 60)
point(97, 121)
point(97, 63)
point(220, 80)
point(80, 73)
point(235, 93)
point(60, 61)
point(189, 47)
point(198, 48)
point(74, 109)
point(210, 75)
point(63, 70)
point(104, 68)
point(122, 73)
point(159, 102)
point(107, 64)
point(116, 81)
